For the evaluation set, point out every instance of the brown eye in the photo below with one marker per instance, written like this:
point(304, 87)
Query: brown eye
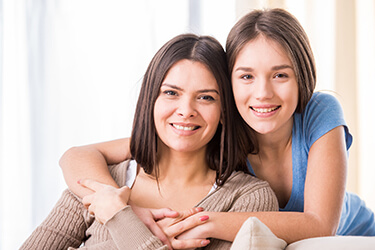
point(170, 92)
point(281, 75)
point(247, 77)
point(207, 97)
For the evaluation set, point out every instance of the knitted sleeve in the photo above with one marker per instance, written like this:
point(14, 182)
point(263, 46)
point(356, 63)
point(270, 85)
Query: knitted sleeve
point(136, 236)
point(245, 194)
point(64, 227)
point(259, 197)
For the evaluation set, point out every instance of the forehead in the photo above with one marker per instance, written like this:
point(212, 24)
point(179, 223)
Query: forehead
point(191, 74)
point(263, 50)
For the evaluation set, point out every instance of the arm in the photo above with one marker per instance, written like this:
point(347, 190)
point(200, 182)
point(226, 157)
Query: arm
point(110, 207)
point(324, 192)
point(91, 161)
point(64, 227)
point(247, 195)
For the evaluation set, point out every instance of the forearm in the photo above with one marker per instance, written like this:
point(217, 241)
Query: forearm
point(91, 162)
point(64, 227)
point(289, 226)
point(84, 163)
point(129, 232)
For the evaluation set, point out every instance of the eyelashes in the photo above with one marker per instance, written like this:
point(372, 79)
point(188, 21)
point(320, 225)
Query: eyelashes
point(173, 94)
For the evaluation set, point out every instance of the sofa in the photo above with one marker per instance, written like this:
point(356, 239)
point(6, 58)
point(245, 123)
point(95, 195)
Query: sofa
point(255, 235)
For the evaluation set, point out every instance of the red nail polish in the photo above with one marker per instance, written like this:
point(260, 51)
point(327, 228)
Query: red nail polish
point(199, 209)
point(204, 218)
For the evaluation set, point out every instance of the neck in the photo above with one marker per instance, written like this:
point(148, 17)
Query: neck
point(275, 143)
point(183, 168)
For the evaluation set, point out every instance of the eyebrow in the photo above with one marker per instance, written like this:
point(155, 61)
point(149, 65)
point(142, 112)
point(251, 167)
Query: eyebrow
point(200, 91)
point(282, 66)
point(277, 67)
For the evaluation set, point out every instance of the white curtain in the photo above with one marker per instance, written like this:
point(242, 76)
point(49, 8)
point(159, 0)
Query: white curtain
point(70, 71)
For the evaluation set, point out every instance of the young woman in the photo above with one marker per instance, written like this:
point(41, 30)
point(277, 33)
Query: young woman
point(302, 139)
point(184, 148)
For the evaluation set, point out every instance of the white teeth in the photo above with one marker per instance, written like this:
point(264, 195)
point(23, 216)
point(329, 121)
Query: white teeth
point(264, 110)
point(183, 128)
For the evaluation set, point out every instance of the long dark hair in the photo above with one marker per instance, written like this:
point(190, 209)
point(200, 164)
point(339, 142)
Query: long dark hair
point(224, 153)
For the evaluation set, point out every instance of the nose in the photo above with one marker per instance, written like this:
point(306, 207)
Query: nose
point(263, 89)
point(186, 108)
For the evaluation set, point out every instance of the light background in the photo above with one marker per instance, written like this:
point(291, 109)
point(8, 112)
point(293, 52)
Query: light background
point(71, 71)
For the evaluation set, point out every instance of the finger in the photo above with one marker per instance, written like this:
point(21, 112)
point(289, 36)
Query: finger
point(156, 230)
point(90, 208)
point(191, 243)
point(91, 184)
point(162, 213)
point(184, 225)
point(124, 192)
point(87, 200)
point(189, 212)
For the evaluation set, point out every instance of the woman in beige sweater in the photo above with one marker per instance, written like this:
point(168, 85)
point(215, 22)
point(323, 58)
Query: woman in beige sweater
point(185, 148)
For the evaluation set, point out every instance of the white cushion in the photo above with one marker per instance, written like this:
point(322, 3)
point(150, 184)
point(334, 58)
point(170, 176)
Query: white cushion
point(334, 242)
point(255, 235)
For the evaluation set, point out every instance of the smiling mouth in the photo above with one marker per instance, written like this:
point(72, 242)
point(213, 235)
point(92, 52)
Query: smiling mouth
point(185, 128)
point(265, 110)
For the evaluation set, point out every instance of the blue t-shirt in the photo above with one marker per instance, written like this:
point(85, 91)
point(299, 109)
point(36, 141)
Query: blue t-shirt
point(322, 114)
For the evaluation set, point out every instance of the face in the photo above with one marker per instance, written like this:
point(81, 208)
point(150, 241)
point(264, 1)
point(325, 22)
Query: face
point(187, 110)
point(265, 86)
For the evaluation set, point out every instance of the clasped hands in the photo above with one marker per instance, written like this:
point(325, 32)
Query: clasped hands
point(177, 230)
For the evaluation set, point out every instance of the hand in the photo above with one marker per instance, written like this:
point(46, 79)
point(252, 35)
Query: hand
point(186, 221)
point(200, 231)
point(106, 200)
point(150, 216)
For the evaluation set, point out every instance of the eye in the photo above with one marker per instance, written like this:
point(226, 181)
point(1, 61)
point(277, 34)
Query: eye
point(247, 77)
point(207, 98)
point(281, 75)
point(170, 92)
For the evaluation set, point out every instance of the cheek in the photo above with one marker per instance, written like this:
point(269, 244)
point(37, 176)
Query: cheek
point(240, 95)
point(160, 113)
point(214, 115)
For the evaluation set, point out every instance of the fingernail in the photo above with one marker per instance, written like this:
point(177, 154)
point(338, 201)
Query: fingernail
point(199, 209)
point(205, 242)
point(203, 218)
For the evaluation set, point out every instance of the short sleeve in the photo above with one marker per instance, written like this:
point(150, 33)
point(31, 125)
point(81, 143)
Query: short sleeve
point(322, 114)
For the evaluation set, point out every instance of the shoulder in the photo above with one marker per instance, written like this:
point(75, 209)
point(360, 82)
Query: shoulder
point(121, 170)
point(322, 114)
point(249, 193)
point(239, 181)
point(320, 102)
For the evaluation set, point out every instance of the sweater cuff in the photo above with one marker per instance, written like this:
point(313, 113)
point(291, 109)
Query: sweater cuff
point(129, 232)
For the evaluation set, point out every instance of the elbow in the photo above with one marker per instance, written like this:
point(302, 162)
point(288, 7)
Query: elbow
point(324, 227)
point(67, 155)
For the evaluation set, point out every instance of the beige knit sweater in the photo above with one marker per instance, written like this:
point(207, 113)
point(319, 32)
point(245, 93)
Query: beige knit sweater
point(69, 224)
